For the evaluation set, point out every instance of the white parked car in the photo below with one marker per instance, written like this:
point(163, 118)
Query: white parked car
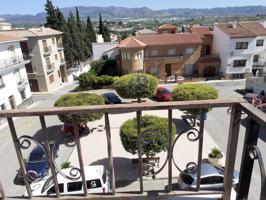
point(97, 180)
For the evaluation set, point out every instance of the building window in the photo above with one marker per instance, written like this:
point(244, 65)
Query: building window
point(241, 45)
point(240, 63)
point(238, 76)
point(259, 43)
point(138, 56)
point(53, 40)
point(171, 52)
point(128, 56)
point(3, 106)
point(154, 53)
point(189, 51)
point(59, 75)
point(2, 84)
point(56, 57)
point(23, 94)
point(256, 58)
point(154, 70)
point(51, 78)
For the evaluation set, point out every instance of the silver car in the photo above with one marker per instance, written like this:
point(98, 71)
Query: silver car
point(212, 178)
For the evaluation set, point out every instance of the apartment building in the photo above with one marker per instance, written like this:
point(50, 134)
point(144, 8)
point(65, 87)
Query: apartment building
point(160, 54)
point(47, 69)
point(14, 86)
point(241, 47)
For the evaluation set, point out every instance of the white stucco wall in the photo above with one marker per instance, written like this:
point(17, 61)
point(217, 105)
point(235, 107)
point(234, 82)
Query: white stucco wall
point(99, 48)
point(10, 78)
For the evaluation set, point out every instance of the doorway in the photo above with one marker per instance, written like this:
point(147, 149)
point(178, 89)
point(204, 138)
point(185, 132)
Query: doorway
point(168, 69)
point(12, 102)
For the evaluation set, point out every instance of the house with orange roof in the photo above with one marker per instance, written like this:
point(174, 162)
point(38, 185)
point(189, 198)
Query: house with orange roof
point(242, 48)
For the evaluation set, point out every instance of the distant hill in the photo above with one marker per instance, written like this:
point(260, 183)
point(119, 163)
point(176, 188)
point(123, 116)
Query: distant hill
point(112, 12)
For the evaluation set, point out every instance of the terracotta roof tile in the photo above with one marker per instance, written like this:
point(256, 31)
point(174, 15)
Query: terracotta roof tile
point(131, 42)
point(167, 26)
point(8, 38)
point(169, 39)
point(203, 31)
point(254, 27)
point(237, 32)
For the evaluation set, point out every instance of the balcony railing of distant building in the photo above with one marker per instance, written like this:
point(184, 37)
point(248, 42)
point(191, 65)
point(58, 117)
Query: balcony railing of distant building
point(175, 56)
point(255, 119)
point(62, 61)
point(27, 56)
point(47, 50)
point(50, 68)
point(259, 65)
point(60, 47)
point(8, 62)
point(22, 84)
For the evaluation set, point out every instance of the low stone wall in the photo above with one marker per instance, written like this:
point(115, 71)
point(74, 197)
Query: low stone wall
point(256, 84)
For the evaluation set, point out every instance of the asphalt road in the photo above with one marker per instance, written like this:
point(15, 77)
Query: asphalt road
point(217, 125)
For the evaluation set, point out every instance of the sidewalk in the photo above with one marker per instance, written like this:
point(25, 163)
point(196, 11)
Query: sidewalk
point(94, 148)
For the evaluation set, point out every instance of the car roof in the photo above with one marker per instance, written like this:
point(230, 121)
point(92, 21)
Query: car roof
point(91, 172)
point(207, 170)
point(109, 93)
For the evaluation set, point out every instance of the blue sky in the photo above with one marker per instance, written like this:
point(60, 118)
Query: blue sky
point(35, 6)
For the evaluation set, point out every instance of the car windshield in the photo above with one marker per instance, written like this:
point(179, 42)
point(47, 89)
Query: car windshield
point(220, 170)
point(165, 92)
point(36, 157)
point(47, 184)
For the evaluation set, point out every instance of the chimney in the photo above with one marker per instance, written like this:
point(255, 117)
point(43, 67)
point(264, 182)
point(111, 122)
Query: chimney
point(234, 24)
point(42, 28)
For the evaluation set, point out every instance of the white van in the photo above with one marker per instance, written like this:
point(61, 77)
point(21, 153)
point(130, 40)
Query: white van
point(97, 181)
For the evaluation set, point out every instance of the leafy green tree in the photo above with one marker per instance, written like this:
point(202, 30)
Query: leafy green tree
point(103, 30)
point(79, 99)
point(136, 86)
point(90, 35)
point(154, 132)
point(51, 19)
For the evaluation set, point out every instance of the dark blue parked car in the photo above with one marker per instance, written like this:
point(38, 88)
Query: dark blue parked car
point(36, 165)
point(111, 98)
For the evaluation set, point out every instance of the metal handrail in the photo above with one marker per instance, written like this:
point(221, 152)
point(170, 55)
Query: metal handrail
point(4, 63)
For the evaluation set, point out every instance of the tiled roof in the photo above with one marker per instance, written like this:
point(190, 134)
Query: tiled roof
point(131, 42)
point(237, 32)
point(9, 38)
point(254, 27)
point(169, 39)
point(203, 31)
point(141, 41)
point(167, 26)
point(37, 32)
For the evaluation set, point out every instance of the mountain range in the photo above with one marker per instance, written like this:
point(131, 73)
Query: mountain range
point(113, 12)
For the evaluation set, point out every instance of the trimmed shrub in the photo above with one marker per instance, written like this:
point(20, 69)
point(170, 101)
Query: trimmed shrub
point(154, 132)
point(79, 99)
point(191, 92)
point(96, 82)
point(136, 86)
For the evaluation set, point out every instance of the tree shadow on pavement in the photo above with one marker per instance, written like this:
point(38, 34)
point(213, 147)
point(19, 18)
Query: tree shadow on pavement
point(125, 173)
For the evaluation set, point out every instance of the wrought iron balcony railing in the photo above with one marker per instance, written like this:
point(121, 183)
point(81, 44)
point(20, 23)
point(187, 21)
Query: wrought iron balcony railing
point(251, 152)
point(8, 62)
point(50, 68)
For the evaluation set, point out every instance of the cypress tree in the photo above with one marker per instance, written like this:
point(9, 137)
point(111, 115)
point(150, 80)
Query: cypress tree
point(101, 26)
point(90, 30)
point(107, 34)
point(51, 19)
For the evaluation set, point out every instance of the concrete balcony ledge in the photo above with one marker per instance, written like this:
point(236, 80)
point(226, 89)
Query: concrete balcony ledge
point(50, 68)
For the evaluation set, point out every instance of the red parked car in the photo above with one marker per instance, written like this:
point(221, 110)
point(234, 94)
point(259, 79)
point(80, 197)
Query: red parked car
point(163, 94)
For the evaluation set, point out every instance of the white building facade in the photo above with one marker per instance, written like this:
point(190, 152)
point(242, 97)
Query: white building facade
point(14, 86)
point(242, 49)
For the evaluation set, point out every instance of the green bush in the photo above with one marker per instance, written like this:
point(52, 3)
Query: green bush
point(154, 132)
point(79, 99)
point(136, 86)
point(192, 92)
point(96, 82)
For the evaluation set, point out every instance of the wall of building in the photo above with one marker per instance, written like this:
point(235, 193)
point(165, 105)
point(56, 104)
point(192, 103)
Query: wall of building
point(256, 84)
point(99, 48)
point(132, 65)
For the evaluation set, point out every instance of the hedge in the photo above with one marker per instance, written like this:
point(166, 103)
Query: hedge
point(79, 99)
point(136, 86)
point(96, 82)
point(154, 132)
point(192, 92)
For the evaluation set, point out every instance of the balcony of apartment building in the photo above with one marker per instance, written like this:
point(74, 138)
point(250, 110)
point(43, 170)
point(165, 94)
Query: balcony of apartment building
point(168, 57)
point(144, 176)
point(259, 65)
point(50, 68)
point(47, 50)
point(12, 62)
point(60, 46)
point(22, 83)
